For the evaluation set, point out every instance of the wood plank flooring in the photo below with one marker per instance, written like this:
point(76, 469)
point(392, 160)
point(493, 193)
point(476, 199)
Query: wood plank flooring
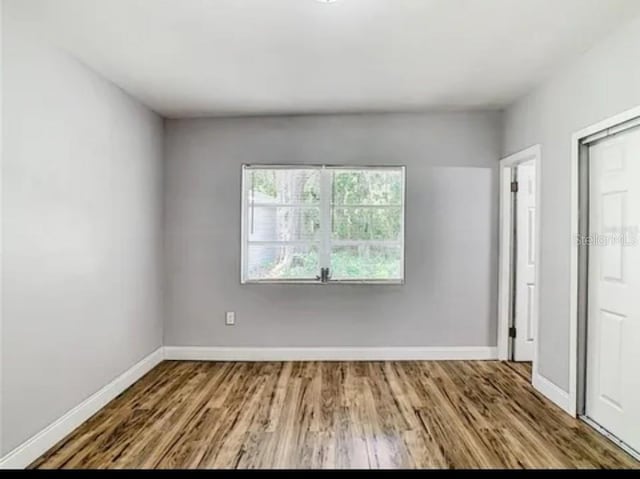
point(524, 369)
point(449, 414)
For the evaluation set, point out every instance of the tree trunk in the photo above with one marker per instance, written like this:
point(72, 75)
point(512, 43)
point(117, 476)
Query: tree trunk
point(289, 220)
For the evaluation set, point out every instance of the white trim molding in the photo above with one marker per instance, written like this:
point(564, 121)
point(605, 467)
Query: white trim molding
point(1, 210)
point(33, 448)
point(37, 445)
point(324, 243)
point(199, 353)
point(621, 444)
point(576, 140)
point(533, 153)
point(553, 392)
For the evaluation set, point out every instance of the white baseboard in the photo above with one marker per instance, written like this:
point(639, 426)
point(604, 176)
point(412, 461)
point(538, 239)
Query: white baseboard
point(196, 353)
point(34, 447)
point(554, 393)
point(621, 444)
point(37, 445)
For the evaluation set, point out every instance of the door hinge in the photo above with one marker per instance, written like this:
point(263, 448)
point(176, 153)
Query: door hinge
point(512, 332)
point(514, 187)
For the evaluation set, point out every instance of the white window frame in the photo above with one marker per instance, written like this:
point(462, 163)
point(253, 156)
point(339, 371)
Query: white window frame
point(325, 219)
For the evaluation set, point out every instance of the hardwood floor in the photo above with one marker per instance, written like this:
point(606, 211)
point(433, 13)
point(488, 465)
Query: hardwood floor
point(449, 414)
point(524, 369)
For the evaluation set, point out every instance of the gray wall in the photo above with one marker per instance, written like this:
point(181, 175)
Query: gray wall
point(82, 221)
point(603, 82)
point(451, 246)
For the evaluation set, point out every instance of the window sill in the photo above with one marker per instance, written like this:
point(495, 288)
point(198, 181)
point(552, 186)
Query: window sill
point(381, 282)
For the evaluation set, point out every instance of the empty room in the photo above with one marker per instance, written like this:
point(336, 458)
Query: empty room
point(319, 234)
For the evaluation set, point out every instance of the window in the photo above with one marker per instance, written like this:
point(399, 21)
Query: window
point(317, 224)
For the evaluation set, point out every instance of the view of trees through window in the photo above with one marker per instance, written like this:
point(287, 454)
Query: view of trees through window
point(285, 231)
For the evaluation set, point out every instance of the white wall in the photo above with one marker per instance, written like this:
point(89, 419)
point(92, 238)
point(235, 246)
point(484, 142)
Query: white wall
point(449, 298)
point(603, 82)
point(82, 226)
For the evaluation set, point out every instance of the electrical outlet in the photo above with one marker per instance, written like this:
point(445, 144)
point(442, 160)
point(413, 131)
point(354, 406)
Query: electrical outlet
point(230, 318)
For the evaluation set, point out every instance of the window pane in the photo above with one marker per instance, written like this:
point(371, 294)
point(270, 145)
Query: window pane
point(354, 223)
point(270, 223)
point(286, 223)
point(366, 262)
point(367, 187)
point(283, 262)
point(284, 186)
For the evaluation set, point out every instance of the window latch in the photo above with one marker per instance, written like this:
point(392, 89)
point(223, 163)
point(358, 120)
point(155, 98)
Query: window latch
point(324, 275)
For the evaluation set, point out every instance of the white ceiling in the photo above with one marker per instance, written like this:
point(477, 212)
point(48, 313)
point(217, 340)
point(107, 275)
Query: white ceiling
point(236, 57)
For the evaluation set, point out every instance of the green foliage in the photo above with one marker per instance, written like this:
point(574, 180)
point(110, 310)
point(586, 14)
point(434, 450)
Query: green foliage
point(263, 181)
point(367, 187)
point(354, 223)
point(365, 262)
point(366, 206)
point(346, 263)
point(303, 266)
point(287, 185)
point(292, 264)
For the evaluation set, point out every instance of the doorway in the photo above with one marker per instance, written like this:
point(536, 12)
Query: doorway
point(519, 257)
point(605, 351)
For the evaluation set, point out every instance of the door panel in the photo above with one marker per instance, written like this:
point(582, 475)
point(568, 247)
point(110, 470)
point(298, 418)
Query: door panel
point(525, 262)
point(613, 214)
point(531, 291)
point(613, 324)
point(610, 339)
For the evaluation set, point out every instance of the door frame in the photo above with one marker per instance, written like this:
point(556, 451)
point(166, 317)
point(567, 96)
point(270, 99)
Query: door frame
point(507, 263)
point(578, 258)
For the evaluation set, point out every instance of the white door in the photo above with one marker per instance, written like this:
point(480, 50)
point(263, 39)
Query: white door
point(613, 326)
point(525, 261)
